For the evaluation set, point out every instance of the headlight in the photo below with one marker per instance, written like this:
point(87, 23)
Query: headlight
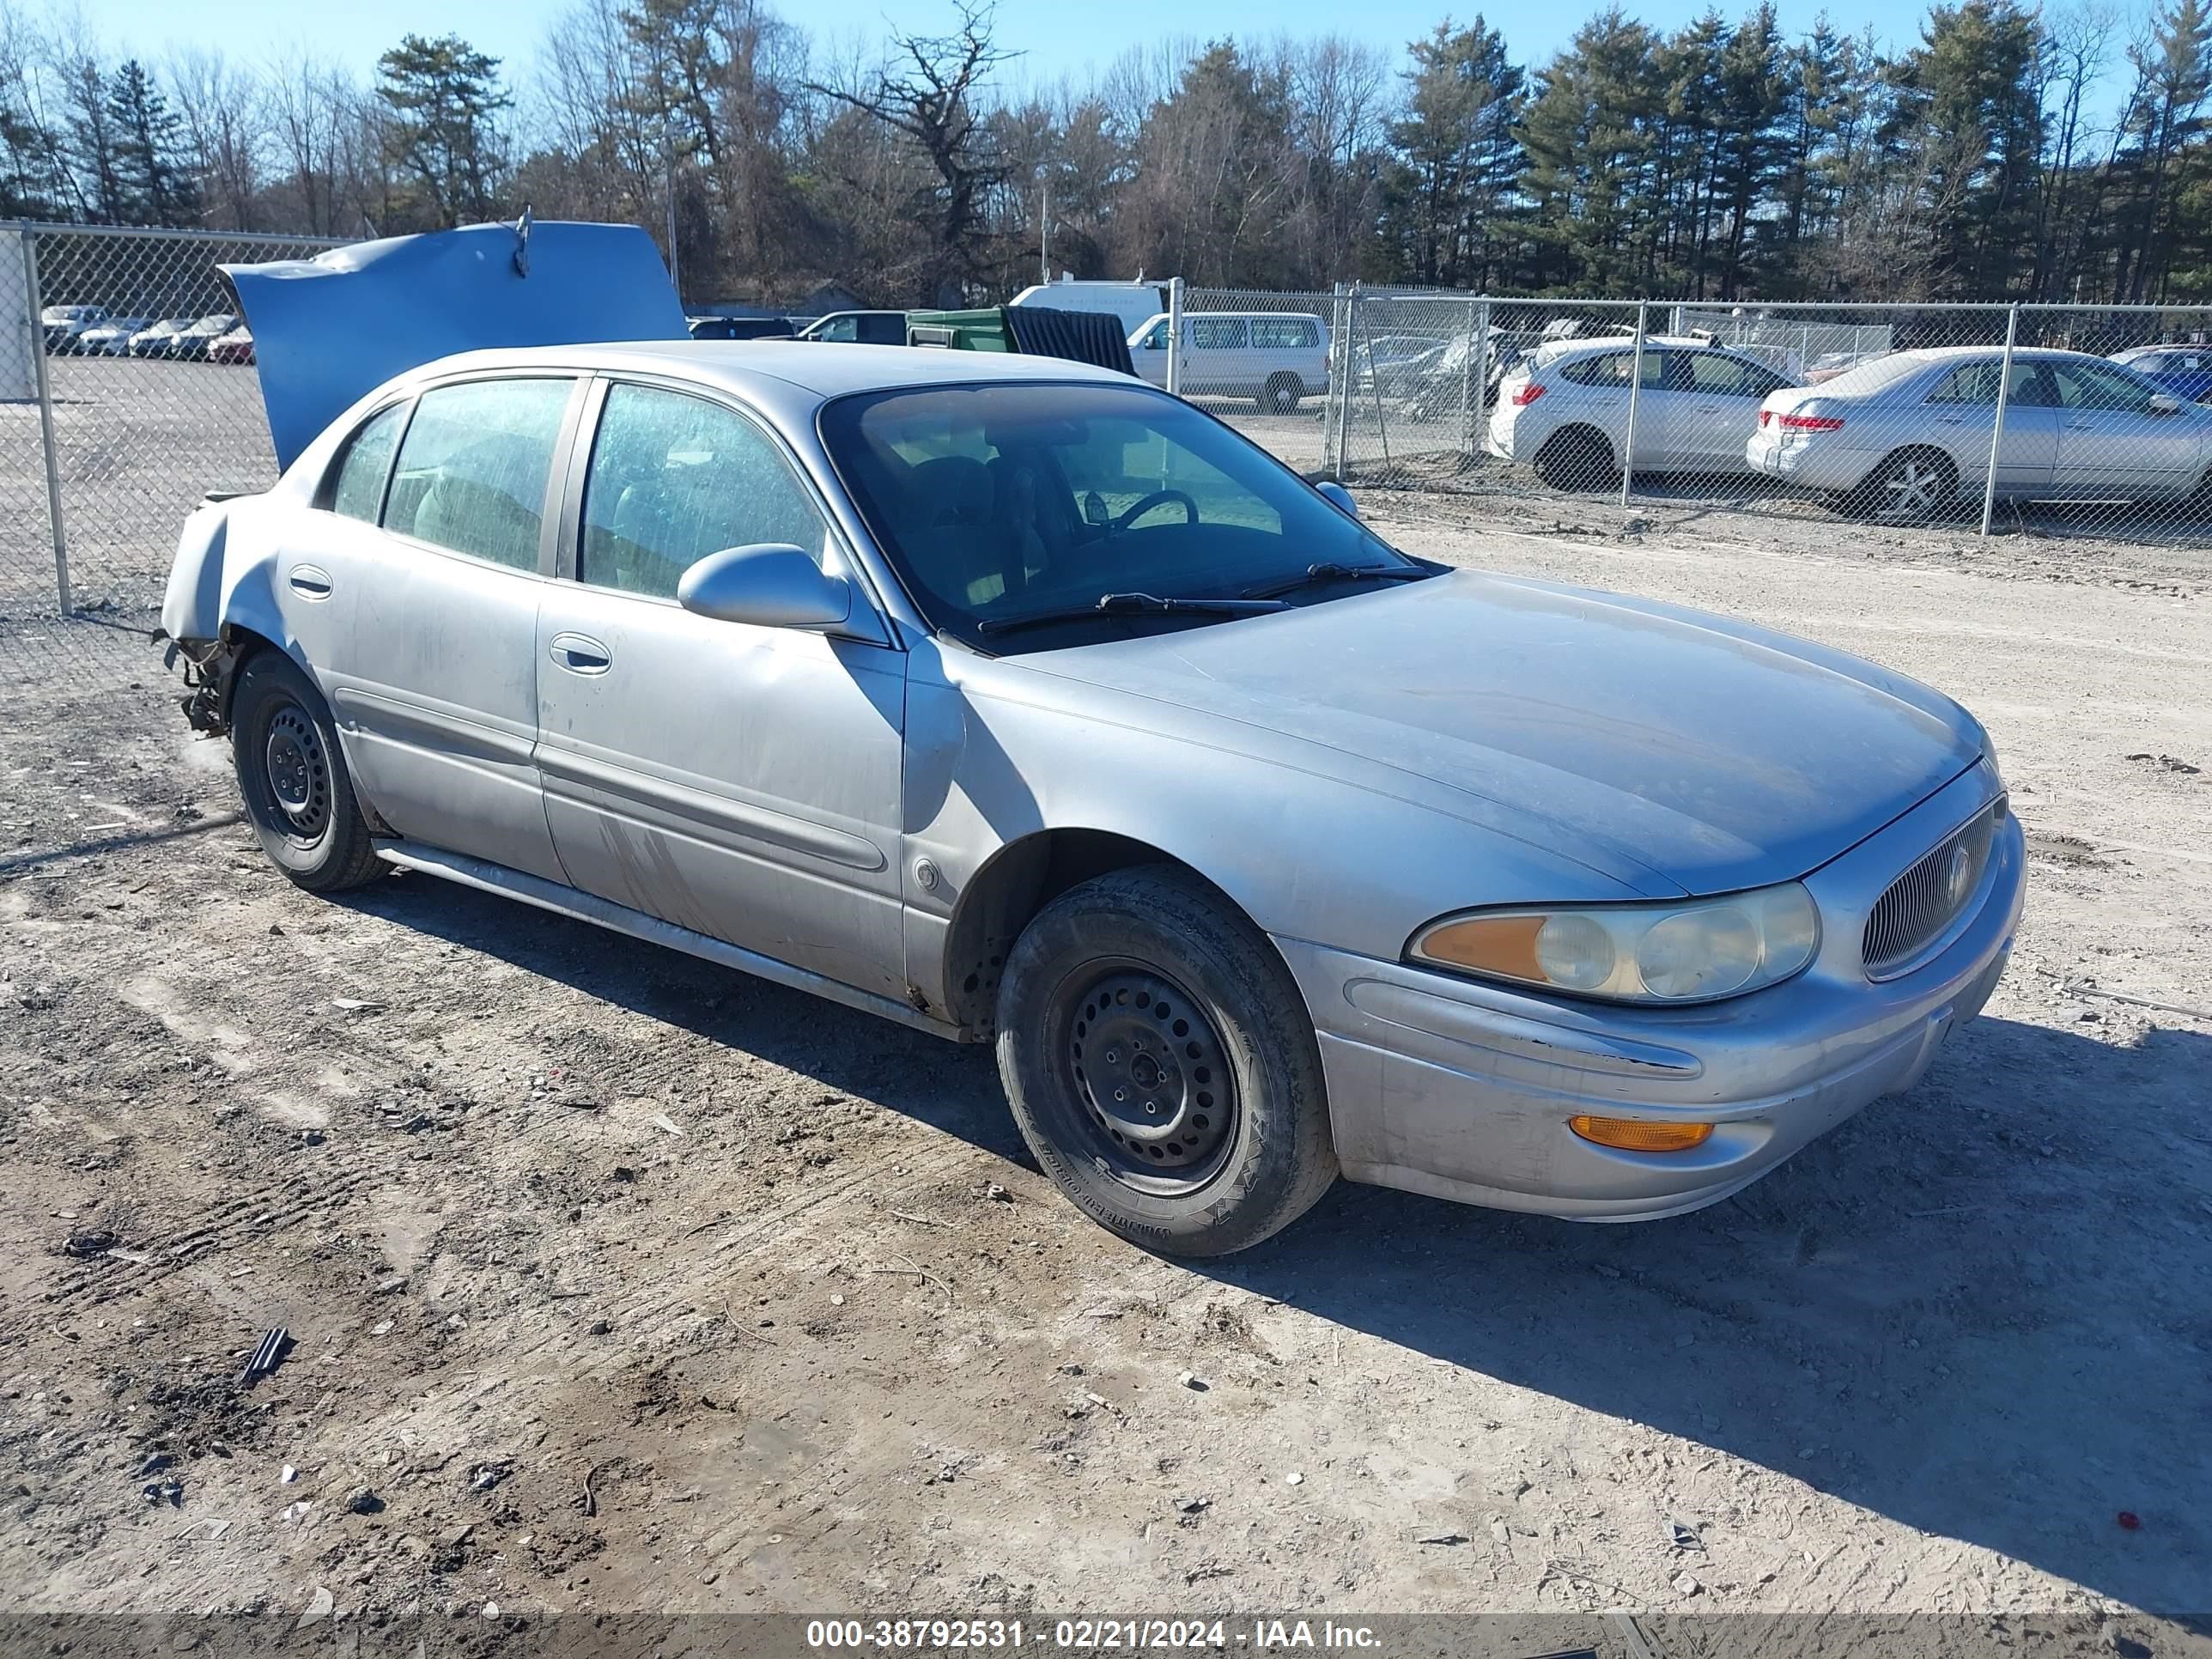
point(1694, 952)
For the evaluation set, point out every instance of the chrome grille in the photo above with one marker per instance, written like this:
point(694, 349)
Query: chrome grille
point(1927, 898)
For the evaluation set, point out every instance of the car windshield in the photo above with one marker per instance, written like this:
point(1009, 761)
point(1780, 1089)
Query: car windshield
point(998, 502)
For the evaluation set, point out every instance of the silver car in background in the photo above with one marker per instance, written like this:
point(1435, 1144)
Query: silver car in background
point(1021, 703)
point(1909, 434)
point(1565, 410)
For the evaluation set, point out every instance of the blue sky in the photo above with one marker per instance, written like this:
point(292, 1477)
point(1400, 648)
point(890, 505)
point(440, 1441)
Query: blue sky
point(1055, 36)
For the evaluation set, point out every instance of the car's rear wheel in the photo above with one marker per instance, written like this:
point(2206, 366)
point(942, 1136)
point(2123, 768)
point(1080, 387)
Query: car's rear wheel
point(292, 777)
point(1161, 1064)
point(1909, 486)
point(1576, 459)
point(1281, 395)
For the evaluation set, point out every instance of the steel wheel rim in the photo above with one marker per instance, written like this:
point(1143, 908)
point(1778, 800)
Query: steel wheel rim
point(1148, 1078)
point(295, 775)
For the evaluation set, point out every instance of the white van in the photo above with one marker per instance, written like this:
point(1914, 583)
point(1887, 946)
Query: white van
point(1276, 358)
point(1130, 303)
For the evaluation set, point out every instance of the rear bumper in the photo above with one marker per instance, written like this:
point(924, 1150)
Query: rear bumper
point(1807, 464)
point(1463, 1091)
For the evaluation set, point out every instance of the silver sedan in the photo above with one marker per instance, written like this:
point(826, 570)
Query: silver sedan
point(1011, 700)
point(1909, 434)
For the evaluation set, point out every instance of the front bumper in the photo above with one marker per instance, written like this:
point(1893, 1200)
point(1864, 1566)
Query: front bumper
point(1463, 1089)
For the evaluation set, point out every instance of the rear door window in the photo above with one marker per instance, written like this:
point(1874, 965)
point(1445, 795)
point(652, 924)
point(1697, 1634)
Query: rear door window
point(473, 466)
point(1284, 333)
point(1977, 383)
point(1217, 333)
point(1717, 374)
point(1611, 369)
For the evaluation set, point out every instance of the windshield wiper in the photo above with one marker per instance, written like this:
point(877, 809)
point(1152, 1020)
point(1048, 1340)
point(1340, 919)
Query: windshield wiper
point(1329, 570)
point(1128, 605)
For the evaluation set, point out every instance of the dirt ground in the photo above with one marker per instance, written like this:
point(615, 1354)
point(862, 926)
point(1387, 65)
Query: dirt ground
point(618, 1281)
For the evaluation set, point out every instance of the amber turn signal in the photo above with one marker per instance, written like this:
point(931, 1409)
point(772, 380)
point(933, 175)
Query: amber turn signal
point(1636, 1135)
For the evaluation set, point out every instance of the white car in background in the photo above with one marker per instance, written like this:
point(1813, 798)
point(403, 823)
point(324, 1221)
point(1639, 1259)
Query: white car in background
point(1276, 358)
point(1565, 409)
point(110, 339)
point(1906, 435)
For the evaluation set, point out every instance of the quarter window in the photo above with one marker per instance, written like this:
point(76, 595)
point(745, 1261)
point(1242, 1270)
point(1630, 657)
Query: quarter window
point(472, 468)
point(675, 477)
point(360, 488)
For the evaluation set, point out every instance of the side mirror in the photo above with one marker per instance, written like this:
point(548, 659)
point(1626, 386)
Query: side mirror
point(2161, 404)
point(769, 584)
point(1339, 497)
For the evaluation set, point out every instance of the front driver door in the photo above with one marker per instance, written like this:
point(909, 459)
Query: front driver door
point(739, 780)
point(2115, 442)
point(437, 690)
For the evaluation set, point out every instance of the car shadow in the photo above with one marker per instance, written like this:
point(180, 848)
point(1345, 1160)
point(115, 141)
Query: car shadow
point(1978, 1308)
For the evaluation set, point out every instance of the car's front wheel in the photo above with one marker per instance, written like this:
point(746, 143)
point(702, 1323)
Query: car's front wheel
point(1161, 1064)
point(292, 777)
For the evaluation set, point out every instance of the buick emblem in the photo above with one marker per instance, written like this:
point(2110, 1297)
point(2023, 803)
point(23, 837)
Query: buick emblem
point(1958, 876)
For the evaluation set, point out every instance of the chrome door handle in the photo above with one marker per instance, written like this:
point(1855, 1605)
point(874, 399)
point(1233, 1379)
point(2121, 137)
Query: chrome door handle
point(309, 581)
point(580, 654)
point(2080, 425)
point(1950, 420)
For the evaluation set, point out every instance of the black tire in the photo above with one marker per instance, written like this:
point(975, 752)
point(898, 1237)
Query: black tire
point(1281, 395)
point(1909, 487)
point(1577, 459)
point(1231, 1065)
point(292, 777)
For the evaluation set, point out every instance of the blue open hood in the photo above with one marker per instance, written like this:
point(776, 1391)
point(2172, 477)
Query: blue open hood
point(330, 329)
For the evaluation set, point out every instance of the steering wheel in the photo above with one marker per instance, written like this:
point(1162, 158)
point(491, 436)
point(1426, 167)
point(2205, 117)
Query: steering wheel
point(1159, 497)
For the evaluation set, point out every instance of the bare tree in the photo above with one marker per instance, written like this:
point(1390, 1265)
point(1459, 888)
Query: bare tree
point(931, 91)
point(225, 114)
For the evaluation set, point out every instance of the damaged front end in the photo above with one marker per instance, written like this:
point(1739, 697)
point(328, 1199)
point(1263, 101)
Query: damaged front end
point(207, 666)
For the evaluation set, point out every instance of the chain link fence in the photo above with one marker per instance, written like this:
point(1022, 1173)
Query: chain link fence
point(126, 392)
point(150, 400)
point(2084, 422)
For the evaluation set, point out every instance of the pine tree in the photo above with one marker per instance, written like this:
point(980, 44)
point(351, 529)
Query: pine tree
point(154, 177)
point(445, 101)
point(1456, 156)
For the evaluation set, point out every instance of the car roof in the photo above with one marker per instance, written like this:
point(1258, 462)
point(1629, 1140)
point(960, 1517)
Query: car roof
point(822, 371)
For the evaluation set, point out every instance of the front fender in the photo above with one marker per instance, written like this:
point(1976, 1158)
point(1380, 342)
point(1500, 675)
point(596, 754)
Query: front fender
point(1306, 855)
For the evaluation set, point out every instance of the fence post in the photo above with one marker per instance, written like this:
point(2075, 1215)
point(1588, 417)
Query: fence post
point(1175, 335)
point(1996, 432)
point(1635, 385)
point(33, 306)
point(1477, 372)
point(1348, 306)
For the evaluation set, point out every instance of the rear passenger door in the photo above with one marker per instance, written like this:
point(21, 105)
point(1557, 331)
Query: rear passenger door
point(436, 690)
point(739, 780)
point(1959, 416)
